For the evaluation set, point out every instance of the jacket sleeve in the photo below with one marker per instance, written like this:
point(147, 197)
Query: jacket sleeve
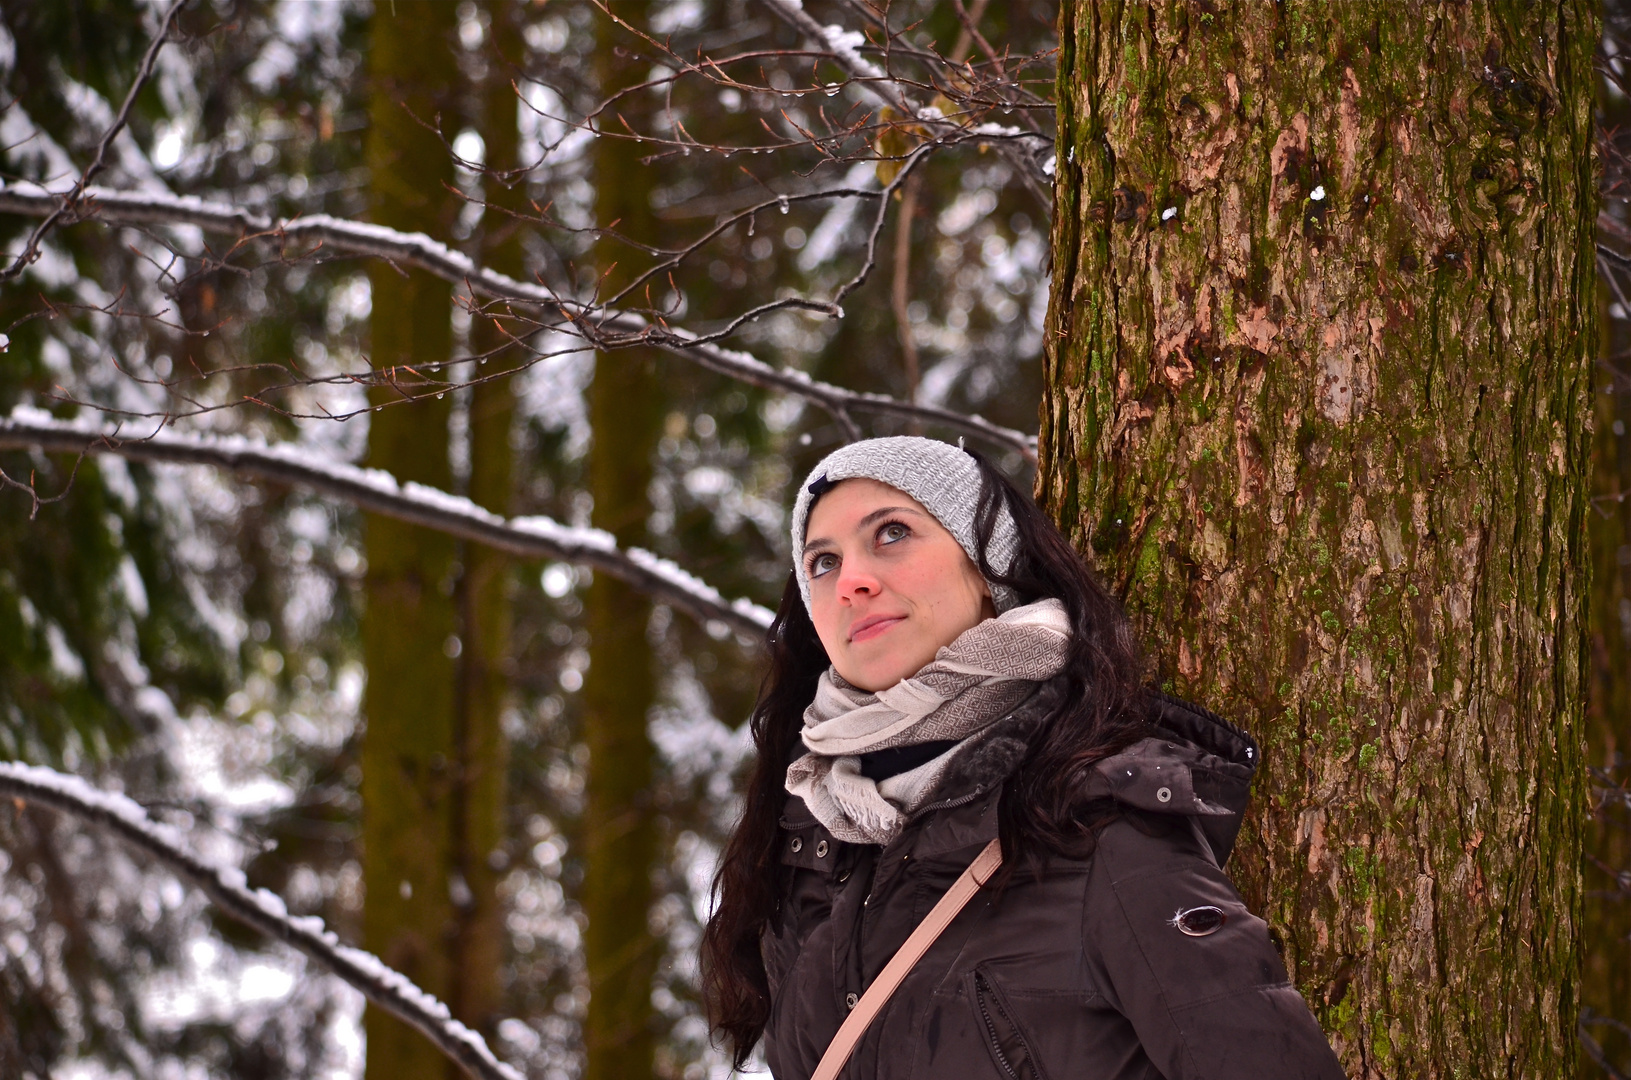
point(1217, 1006)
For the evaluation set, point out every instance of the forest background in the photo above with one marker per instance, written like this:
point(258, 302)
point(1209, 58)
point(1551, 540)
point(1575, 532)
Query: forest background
point(672, 254)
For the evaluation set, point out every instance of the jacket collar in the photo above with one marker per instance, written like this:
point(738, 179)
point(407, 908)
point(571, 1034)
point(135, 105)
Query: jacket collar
point(1193, 764)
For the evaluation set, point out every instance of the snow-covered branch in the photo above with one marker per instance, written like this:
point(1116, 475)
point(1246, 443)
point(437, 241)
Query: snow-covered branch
point(380, 492)
point(260, 909)
point(844, 47)
point(68, 204)
point(114, 207)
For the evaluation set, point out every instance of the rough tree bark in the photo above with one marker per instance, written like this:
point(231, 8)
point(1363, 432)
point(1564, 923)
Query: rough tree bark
point(411, 748)
point(620, 823)
point(1318, 405)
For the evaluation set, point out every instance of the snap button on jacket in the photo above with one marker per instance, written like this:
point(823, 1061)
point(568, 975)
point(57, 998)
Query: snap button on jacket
point(1087, 969)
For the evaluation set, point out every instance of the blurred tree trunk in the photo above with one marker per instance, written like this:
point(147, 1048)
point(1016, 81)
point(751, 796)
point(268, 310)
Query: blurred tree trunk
point(1605, 985)
point(1319, 407)
point(484, 591)
point(411, 750)
point(620, 823)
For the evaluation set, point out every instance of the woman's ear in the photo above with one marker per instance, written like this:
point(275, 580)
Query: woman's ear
point(988, 606)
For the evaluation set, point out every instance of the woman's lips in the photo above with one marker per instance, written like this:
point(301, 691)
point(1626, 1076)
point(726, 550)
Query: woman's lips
point(873, 625)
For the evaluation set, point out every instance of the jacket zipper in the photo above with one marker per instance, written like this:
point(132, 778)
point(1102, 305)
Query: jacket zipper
point(946, 804)
point(886, 855)
point(981, 988)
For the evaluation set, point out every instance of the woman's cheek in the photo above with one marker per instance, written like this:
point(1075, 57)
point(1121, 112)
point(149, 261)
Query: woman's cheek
point(824, 614)
point(915, 579)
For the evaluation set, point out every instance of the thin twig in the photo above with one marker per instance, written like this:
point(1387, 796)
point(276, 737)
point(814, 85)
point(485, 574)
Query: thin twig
point(70, 203)
point(35, 499)
point(1593, 1048)
point(970, 34)
point(888, 93)
point(900, 287)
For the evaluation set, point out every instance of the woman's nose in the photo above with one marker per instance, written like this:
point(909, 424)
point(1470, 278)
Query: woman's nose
point(855, 579)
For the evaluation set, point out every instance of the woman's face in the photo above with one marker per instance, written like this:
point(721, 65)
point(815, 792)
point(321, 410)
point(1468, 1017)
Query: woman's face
point(888, 584)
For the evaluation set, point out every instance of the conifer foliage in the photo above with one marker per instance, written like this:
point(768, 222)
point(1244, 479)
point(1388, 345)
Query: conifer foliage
point(399, 408)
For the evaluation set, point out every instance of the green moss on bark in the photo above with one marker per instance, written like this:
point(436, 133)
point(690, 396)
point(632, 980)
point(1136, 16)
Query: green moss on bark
point(1318, 407)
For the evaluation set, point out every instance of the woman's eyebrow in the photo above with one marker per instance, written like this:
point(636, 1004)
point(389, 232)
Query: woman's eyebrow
point(881, 512)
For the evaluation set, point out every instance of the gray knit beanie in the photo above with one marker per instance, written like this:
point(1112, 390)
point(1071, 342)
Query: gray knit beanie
point(941, 477)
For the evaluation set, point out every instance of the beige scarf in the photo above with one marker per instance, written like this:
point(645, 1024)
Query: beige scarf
point(968, 686)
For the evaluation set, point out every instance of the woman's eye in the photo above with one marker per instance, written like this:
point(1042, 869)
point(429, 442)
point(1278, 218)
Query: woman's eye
point(892, 532)
point(821, 564)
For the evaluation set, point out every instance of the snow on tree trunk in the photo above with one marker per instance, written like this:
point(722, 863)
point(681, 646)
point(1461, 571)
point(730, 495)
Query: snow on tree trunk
point(410, 748)
point(1318, 406)
point(620, 832)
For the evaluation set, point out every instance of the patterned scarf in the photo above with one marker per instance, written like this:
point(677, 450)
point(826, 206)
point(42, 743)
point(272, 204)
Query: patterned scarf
point(969, 685)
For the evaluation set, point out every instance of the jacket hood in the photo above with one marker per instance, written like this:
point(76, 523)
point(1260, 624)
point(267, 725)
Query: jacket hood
point(1196, 765)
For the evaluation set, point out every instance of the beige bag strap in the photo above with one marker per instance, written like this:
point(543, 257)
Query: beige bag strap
point(894, 973)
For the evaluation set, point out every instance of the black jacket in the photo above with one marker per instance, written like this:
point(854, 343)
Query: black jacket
point(1082, 971)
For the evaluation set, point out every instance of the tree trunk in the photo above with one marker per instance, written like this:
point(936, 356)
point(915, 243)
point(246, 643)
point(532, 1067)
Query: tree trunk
point(411, 748)
point(486, 582)
point(1318, 405)
point(620, 822)
point(1605, 985)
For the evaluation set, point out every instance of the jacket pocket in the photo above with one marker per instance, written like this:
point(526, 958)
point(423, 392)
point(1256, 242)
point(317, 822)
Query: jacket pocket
point(1010, 1051)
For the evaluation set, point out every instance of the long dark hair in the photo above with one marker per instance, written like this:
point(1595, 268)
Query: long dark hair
point(1041, 811)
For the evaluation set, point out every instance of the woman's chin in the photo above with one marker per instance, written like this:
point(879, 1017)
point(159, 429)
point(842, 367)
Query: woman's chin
point(881, 674)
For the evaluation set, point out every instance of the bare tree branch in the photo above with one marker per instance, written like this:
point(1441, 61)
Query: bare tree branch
point(888, 93)
point(260, 909)
point(601, 327)
point(970, 34)
point(869, 77)
point(68, 206)
point(901, 285)
point(1589, 1017)
point(381, 493)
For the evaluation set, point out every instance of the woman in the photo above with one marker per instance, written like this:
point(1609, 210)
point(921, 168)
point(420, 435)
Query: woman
point(945, 670)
